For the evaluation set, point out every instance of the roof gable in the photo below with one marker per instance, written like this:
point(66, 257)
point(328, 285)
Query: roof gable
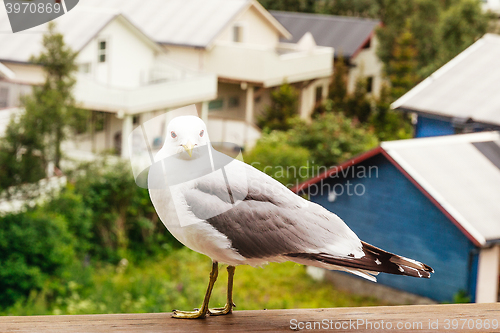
point(79, 27)
point(346, 35)
point(458, 173)
point(192, 23)
point(466, 87)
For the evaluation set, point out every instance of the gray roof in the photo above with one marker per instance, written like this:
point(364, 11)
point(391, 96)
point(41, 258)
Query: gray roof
point(345, 34)
point(462, 173)
point(79, 26)
point(466, 87)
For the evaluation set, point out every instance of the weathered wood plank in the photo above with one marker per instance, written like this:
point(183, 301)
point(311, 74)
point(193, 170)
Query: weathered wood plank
point(469, 317)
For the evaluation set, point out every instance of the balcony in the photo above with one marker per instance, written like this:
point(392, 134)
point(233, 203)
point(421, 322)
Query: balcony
point(164, 94)
point(268, 66)
point(233, 131)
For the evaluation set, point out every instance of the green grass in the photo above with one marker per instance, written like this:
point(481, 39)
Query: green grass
point(179, 281)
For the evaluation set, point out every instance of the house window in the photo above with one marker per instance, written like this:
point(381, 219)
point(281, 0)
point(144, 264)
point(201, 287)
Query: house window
point(216, 104)
point(4, 97)
point(369, 84)
point(233, 102)
point(237, 33)
point(136, 119)
point(84, 68)
point(101, 51)
point(319, 93)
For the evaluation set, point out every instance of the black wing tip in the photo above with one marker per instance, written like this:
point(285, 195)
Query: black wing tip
point(405, 266)
point(375, 260)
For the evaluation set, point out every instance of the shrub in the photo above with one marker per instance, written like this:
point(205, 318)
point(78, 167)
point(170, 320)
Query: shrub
point(123, 217)
point(332, 138)
point(78, 217)
point(275, 157)
point(34, 246)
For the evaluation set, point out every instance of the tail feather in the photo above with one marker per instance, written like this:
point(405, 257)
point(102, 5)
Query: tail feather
point(374, 260)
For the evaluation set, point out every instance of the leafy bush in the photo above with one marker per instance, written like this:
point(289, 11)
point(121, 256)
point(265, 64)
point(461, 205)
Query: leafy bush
point(34, 246)
point(123, 217)
point(78, 217)
point(332, 138)
point(387, 123)
point(275, 157)
point(309, 148)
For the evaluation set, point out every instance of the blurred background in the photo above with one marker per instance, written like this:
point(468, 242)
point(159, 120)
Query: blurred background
point(402, 96)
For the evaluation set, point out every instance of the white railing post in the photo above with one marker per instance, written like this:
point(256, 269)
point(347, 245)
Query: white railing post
point(248, 111)
point(204, 111)
point(126, 130)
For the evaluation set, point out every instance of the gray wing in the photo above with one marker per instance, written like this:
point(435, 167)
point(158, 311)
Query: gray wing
point(270, 220)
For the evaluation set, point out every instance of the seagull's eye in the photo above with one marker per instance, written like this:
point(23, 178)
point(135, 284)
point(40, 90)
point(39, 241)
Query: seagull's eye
point(202, 132)
point(173, 134)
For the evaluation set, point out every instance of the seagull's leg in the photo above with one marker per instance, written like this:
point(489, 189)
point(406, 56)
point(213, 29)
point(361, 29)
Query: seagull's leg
point(228, 308)
point(202, 312)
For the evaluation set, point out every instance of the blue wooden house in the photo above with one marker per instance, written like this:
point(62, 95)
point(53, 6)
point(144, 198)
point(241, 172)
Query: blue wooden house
point(436, 200)
point(463, 96)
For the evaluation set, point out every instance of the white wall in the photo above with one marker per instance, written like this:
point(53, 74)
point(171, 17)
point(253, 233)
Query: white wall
point(367, 64)
point(26, 73)
point(256, 29)
point(129, 58)
point(226, 91)
point(308, 96)
point(188, 57)
point(493, 5)
point(14, 92)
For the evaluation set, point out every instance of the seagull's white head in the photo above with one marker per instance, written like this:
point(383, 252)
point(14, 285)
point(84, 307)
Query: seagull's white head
point(184, 133)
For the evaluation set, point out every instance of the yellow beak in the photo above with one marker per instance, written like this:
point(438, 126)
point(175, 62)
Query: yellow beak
point(189, 148)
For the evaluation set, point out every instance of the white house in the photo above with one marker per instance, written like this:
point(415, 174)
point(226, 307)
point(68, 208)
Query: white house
point(124, 77)
point(491, 5)
point(353, 38)
point(137, 60)
point(239, 41)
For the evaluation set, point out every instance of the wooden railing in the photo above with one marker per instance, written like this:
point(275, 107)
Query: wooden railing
point(423, 318)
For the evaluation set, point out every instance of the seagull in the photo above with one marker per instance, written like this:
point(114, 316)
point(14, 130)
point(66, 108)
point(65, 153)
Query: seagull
point(238, 215)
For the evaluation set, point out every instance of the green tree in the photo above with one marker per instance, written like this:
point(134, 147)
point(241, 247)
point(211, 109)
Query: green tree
point(358, 103)
point(338, 87)
point(460, 26)
point(21, 160)
point(424, 25)
point(34, 138)
point(387, 123)
point(440, 30)
point(402, 69)
point(358, 8)
point(393, 15)
point(52, 106)
point(284, 105)
point(306, 6)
